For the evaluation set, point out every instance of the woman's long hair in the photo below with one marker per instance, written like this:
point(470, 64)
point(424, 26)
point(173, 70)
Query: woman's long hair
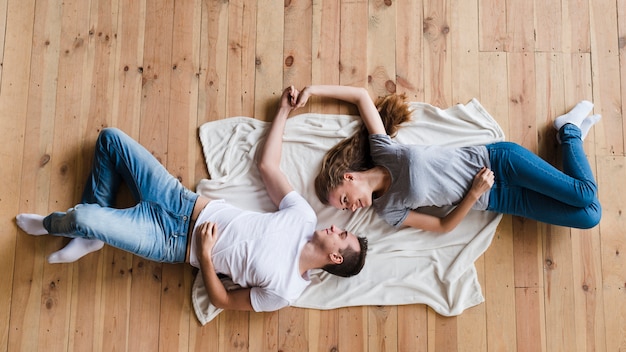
point(353, 153)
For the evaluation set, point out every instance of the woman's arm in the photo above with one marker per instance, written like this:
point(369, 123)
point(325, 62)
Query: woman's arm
point(206, 236)
point(482, 183)
point(355, 95)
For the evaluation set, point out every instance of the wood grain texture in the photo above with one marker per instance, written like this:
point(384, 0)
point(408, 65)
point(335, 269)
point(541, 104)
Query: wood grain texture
point(158, 69)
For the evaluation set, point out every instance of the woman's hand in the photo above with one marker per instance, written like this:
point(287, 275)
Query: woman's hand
point(206, 236)
point(483, 181)
point(304, 96)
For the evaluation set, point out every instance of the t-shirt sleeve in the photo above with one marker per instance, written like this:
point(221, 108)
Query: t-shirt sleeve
point(293, 201)
point(383, 148)
point(265, 301)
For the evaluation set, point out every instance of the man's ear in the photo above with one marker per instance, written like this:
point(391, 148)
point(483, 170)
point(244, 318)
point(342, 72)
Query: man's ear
point(336, 258)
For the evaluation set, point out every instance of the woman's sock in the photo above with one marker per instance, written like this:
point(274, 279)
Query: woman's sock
point(585, 126)
point(587, 123)
point(32, 224)
point(574, 116)
point(74, 250)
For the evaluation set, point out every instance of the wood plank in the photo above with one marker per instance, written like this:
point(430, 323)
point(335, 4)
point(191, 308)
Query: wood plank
point(263, 332)
point(530, 328)
point(126, 112)
point(520, 26)
point(3, 28)
point(353, 328)
point(413, 327)
point(586, 248)
point(86, 332)
point(605, 68)
point(20, 255)
point(241, 58)
point(297, 49)
point(326, 47)
point(464, 59)
point(409, 49)
point(383, 325)
point(178, 279)
point(492, 21)
point(576, 33)
point(381, 44)
point(233, 331)
point(66, 168)
point(147, 276)
point(611, 172)
point(437, 63)
point(548, 25)
point(212, 70)
point(526, 241)
point(269, 81)
point(292, 329)
point(446, 338)
point(499, 285)
point(352, 69)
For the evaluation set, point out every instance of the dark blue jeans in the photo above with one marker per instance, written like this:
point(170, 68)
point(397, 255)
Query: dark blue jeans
point(528, 186)
point(155, 228)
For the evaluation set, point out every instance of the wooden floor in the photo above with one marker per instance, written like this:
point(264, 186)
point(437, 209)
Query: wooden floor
point(159, 69)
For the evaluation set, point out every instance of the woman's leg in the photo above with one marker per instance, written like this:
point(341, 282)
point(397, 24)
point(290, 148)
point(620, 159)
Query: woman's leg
point(528, 186)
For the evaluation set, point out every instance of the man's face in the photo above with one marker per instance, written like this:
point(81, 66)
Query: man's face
point(334, 240)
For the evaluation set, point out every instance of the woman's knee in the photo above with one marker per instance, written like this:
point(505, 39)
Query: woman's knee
point(593, 216)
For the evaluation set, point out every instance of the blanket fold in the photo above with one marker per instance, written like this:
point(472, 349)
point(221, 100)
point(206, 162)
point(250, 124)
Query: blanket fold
point(403, 266)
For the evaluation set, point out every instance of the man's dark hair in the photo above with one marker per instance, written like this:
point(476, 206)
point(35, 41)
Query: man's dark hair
point(352, 261)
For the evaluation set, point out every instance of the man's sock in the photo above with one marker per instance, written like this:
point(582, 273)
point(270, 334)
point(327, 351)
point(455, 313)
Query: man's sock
point(74, 250)
point(574, 116)
point(587, 123)
point(32, 224)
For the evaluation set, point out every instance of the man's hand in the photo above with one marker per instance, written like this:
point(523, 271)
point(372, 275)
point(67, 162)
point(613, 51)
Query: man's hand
point(206, 236)
point(289, 98)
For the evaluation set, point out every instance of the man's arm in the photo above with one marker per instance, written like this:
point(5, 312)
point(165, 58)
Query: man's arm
point(218, 295)
point(275, 180)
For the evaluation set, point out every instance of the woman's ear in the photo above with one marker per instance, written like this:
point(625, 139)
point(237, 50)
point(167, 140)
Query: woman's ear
point(336, 258)
point(349, 176)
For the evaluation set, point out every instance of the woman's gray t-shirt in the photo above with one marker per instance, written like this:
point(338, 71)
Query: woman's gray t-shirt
point(425, 175)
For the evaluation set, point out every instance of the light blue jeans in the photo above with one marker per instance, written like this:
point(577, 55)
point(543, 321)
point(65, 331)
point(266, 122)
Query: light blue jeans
point(155, 228)
point(528, 186)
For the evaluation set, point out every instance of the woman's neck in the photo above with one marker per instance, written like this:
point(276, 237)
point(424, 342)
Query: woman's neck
point(379, 179)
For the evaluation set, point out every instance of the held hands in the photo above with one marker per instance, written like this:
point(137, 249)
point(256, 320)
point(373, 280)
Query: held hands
point(289, 98)
point(293, 98)
point(206, 236)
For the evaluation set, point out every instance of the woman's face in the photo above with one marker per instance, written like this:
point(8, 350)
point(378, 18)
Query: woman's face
point(353, 194)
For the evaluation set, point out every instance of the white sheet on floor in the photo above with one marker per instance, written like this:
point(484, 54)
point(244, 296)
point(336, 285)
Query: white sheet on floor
point(403, 266)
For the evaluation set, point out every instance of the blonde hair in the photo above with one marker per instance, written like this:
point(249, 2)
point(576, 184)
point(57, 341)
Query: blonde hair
point(353, 153)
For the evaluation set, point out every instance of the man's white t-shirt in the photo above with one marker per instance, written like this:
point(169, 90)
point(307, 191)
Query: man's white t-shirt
point(261, 250)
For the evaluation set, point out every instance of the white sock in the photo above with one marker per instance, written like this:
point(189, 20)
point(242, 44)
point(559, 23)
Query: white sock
point(574, 116)
point(32, 224)
point(587, 123)
point(74, 250)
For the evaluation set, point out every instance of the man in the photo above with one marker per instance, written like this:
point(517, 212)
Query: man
point(268, 254)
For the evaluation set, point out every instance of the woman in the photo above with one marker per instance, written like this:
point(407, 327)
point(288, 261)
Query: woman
point(502, 177)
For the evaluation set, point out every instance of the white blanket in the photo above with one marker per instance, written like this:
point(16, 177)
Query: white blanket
point(403, 266)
